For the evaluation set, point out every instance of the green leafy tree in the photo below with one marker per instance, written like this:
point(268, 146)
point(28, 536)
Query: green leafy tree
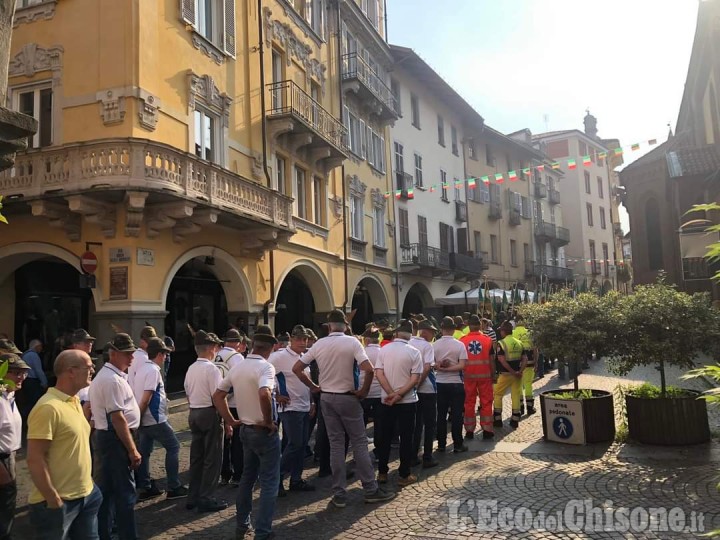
point(5, 384)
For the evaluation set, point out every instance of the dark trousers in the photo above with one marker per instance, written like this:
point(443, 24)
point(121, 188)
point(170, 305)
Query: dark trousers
point(205, 454)
point(295, 426)
point(388, 419)
point(117, 485)
point(425, 420)
point(450, 396)
point(371, 409)
point(232, 460)
point(8, 498)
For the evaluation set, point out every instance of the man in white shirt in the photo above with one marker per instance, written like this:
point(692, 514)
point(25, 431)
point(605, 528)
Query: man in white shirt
point(149, 390)
point(252, 382)
point(201, 381)
point(336, 355)
point(140, 356)
point(10, 437)
point(450, 358)
point(295, 415)
point(371, 404)
point(230, 355)
point(398, 370)
point(426, 413)
point(117, 418)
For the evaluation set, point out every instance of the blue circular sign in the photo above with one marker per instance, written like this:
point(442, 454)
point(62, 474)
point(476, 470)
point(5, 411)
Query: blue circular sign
point(562, 427)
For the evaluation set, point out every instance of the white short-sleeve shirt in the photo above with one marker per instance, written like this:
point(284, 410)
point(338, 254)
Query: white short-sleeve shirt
point(139, 358)
point(449, 348)
point(372, 350)
point(400, 361)
point(201, 381)
point(288, 384)
point(110, 392)
point(428, 355)
point(335, 356)
point(228, 357)
point(10, 423)
point(148, 377)
point(246, 378)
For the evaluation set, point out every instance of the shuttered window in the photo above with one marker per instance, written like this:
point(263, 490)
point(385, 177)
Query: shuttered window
point(212, 19)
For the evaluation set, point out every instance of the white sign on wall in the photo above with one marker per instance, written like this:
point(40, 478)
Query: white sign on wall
point(145, 257)
point(120, 255)
point(564, 421)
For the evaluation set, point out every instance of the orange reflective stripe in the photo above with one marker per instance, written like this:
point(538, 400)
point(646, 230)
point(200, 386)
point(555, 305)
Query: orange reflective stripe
point(478, 375)
point(477, 362)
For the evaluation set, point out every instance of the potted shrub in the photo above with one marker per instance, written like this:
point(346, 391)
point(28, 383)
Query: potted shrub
point(571, 329)
point(663, 327)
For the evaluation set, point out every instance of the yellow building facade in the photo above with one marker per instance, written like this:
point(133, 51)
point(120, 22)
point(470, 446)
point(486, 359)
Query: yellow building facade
point(200, 151)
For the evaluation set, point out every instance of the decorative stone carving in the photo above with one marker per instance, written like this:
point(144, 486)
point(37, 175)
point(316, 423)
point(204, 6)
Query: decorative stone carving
point(204, 91)
point(166, 216)
point(357, 188)
point(32, 59)
point(378, 198)
point(134, 209)
point(336, 204)
point(96, 212)
point(36, 12)
point(283, 34)
point(207, 48)
point(148, 110)
point(112, 105)
point(58, 217)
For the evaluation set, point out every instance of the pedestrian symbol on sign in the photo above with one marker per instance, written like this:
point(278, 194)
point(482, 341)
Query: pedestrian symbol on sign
point(562, 427)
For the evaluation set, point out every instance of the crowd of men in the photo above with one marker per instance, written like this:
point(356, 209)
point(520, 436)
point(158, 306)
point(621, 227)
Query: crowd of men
point(410, 380)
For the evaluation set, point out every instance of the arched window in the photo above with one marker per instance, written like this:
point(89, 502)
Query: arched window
point(654, 236)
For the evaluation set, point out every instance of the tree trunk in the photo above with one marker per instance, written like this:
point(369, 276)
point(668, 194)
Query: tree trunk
point(663, 386)
point(577, 374)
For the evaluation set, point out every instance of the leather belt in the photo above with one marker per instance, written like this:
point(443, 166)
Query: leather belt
point(339, 393)
point(256, 427)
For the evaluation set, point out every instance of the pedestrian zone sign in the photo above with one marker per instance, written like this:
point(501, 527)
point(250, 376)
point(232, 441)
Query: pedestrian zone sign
point(564, 421)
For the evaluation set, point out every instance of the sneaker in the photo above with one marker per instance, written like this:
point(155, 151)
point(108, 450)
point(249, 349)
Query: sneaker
point(460, 449)
point(415, 462)
point(322, 473)
point(339, 501)
point(531, 410)
point(488, 435)
point(514, 424)
point(213, 505)
point(382, 478)
point(430, 463)
point(224, 482)
point(497, 423)
point(150, 493)
point(281, 491)
point(470, 435)
point(302, 485)
point(409, 479)
point(177, 493)
point(234, 482)
point(379, 495)
point(241, 532)
point(441, 448)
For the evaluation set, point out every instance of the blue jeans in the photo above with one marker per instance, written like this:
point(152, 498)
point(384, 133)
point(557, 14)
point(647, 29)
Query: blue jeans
point(115, 480)
point(165, 435)
point(76, 520)
point(262, 462)
point(296, 427)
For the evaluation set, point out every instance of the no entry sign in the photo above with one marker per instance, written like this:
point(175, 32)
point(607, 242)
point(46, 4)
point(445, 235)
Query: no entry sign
point(88, 262)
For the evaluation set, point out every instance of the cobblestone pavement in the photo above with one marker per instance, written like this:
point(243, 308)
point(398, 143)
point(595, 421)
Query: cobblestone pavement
point(517, 470)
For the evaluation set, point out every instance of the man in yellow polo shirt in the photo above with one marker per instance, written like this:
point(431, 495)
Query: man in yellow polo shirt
point(64, 502)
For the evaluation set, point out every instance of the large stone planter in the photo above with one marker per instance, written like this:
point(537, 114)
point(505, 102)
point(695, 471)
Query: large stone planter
point(596, 416)
point(668, 421)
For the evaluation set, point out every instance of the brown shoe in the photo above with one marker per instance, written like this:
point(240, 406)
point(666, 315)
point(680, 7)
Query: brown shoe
point(409, 479)
point(382, 478)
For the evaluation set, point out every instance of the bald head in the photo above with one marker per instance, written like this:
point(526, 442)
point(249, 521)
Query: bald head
point(72, 358)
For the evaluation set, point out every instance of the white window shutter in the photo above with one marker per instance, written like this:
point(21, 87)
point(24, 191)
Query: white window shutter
point(363, 140)
point(381, 158)
point(229, 18)
point(187, 11)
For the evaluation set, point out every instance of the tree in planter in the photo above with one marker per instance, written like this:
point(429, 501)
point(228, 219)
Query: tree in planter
point(570, 329)
point(663, 326)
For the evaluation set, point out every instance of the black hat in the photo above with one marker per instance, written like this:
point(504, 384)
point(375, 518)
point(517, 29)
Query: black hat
point(206, 338)
point(299, 331)
point(233, 336)
point(447, 322)
point(404, 326)
point(13, 360)
point(156, 346)
point(337, 316)
point(283, 338)
point(264, 334)
point(383, 324)
point(81, 336)
point(123, 343)
point(474, 320)
point(8, 346)
point(426, 325)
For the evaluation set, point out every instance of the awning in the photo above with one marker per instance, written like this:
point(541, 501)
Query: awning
point(471, 297)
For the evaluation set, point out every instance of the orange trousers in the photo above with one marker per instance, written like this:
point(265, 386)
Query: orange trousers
point(478, 388)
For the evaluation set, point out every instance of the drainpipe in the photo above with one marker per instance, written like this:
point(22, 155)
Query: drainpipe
point(342, 168)
point(386, 19)
point(261, 50)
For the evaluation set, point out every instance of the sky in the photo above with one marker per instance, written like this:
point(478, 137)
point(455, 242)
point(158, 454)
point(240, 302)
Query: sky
point(540, 64)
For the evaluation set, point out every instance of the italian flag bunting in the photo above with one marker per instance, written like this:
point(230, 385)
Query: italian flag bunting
point(635, 147)
point(526, 171)
point(485, 179)
point(540, 168)
point(512, 175)
point(618, 151)
point(411, 193)
point(602, 155)
point(471, 183)
point(587, 161)
point(499, 178)
point(555, 165)
point(398, 193)
point(571, 164)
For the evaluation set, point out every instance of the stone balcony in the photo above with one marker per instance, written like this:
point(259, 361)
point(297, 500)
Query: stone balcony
point(158, 184)
point(360, 78)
